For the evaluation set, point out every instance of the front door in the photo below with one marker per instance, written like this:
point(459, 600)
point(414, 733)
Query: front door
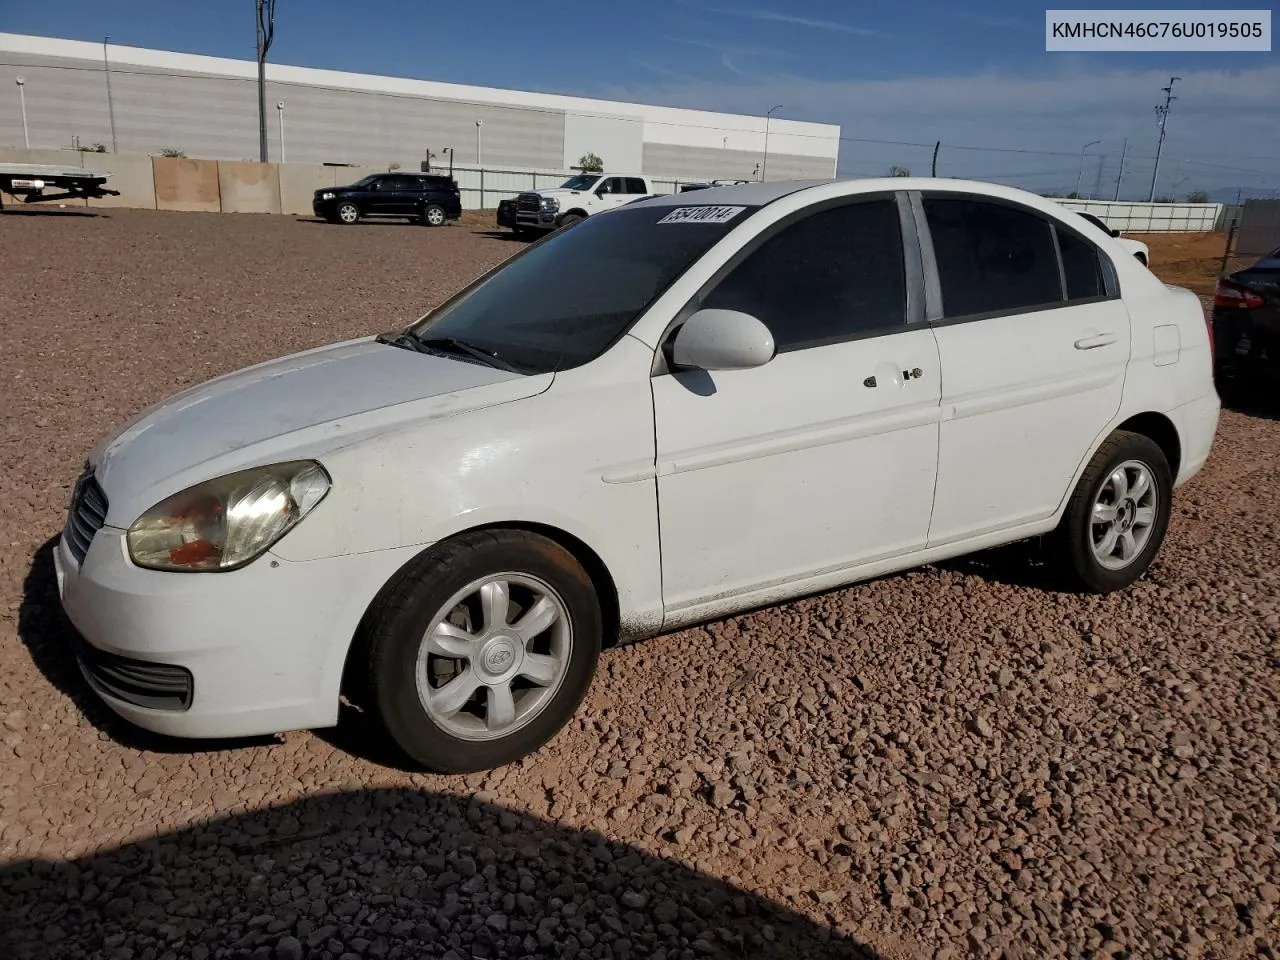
point(823, 458)
point(1034, 346)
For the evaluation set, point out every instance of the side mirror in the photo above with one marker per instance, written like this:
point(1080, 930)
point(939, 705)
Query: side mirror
point(1115, 232)
point(722, 340)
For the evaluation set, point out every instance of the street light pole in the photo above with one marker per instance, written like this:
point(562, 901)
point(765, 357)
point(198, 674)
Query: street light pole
point(1080, 175)
point(22, 97)
point(1163, 114)
point(764, 166)
point(479, 154)
point(280, 111)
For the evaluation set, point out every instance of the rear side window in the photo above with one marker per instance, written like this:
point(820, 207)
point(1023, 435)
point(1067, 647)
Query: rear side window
point(1081, 267)
point(834, 275)
point(991, 257)
point(635, 185)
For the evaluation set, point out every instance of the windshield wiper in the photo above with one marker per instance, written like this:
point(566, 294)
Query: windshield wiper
point(402, 340)
point(489, 358)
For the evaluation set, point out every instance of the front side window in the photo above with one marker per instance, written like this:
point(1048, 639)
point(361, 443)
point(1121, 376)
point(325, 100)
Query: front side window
point(991, 257)
point(836, 274)
point(563, 301)
point(584, 181)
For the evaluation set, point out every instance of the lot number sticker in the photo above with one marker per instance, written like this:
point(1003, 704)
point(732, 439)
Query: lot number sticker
point(702, 214)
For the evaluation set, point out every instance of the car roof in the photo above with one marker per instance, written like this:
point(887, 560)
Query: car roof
point(759, 193)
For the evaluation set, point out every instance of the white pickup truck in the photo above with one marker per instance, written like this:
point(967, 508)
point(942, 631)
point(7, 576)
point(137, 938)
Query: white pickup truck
point(581, 196)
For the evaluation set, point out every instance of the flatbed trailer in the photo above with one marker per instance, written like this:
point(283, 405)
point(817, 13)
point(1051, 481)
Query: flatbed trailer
point(30, 181)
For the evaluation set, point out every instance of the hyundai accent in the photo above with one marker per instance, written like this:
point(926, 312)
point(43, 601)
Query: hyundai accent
point(697, 405)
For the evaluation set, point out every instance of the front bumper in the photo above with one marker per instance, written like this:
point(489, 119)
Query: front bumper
point(541, 220)
point(264, 646)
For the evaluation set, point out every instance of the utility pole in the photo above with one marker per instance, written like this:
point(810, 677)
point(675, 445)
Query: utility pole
point(111, 109)
point(266, 21)
point(764, 167)
point(1080, 175)
point(1163, 114)
point(1120, 176)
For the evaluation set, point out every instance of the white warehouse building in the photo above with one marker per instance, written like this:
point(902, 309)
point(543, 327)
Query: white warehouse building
point(139, 101)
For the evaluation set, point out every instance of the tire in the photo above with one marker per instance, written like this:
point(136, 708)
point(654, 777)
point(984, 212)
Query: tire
point(541, 576)
point(1079, 546)
point(433, 215)
point(348, 213)
point(524, 233)
point(568, 220)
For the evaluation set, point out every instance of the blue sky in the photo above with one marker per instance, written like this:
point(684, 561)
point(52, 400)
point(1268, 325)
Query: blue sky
point(971, 74)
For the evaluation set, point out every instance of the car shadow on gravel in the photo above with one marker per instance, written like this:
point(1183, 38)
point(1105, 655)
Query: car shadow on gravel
point(392, 872)
point(1020, 564)
point(26, 211)
point(49, 636)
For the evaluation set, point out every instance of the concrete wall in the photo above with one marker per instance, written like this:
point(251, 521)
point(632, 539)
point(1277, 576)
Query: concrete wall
point(248, 187)
point(183, 184)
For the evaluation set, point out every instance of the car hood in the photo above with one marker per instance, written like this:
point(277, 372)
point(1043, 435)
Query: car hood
point(302, 405)
point(556, 192)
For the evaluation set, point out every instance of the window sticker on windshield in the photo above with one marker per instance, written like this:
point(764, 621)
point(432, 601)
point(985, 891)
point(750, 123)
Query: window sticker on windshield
point(702, 214)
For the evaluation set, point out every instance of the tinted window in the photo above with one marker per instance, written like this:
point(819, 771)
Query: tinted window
point(564, 300)
point(991, 257)
point(1082, 267)
point(613, 185)
point(835, 274)
point(635, 185)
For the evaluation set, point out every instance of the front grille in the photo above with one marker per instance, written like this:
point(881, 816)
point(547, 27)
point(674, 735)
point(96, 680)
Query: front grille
point(156, 686)
point(86, 516)
point(529, 203)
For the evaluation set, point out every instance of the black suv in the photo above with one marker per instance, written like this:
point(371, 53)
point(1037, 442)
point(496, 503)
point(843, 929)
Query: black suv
point(423, 197)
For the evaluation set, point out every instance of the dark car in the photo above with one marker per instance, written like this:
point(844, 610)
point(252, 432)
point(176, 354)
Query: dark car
point(1246, 325)
point(422, 197)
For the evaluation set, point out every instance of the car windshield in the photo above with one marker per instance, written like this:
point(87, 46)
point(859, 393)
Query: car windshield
point(582, 181)
point(563, 301)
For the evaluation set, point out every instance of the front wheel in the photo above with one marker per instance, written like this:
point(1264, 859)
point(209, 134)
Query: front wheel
point(1117, 516)
point(348, 213)
point(568, 220)
point(482, 651)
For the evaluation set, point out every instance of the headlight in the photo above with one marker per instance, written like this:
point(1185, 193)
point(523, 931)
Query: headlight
point(551, 203)
point(224, 523)
point(328, 195)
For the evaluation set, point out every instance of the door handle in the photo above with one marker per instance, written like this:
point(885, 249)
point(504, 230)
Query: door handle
point(1097, 340)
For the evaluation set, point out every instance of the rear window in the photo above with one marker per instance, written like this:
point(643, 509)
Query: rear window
point(991, 257)
point(563, 301)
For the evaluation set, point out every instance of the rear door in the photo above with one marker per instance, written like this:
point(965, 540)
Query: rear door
point(1034, 342)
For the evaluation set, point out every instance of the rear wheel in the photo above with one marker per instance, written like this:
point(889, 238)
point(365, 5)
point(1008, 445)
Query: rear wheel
point(1117, 516)
point(481, 652)
point(348, 212)
point(433, 215)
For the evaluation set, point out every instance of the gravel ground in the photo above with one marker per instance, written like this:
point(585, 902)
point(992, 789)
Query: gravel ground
point(953, 762)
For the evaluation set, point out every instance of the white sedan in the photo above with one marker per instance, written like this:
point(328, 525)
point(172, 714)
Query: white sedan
point(696, 405)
